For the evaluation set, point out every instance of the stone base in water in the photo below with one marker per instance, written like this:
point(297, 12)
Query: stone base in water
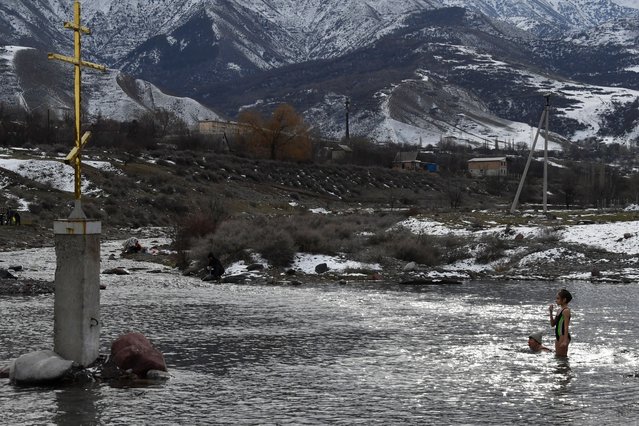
point(133, 359)
point(39, 367)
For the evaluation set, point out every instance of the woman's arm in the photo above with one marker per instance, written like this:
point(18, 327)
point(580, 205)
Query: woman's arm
point(552, 318)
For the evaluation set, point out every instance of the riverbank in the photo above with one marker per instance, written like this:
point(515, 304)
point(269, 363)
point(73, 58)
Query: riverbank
point(391, 247)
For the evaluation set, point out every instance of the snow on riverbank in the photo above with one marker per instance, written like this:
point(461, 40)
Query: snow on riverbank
point(538, 250)
point(423, 226)
point(40, 264)
point(617, 237)
point(306, 263)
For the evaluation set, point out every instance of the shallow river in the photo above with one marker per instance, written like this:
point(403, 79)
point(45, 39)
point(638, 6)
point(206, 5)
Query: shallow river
point(342, 354)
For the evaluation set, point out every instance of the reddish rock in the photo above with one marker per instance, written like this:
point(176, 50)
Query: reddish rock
point(519, 237)
point(135, 352)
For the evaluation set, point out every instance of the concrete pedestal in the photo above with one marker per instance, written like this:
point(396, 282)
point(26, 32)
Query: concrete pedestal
point(77, 290)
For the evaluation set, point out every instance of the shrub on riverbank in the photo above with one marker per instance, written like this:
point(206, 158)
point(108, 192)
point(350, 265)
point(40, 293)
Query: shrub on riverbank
point(492, 248)
point(365, 238)
point(279, 238)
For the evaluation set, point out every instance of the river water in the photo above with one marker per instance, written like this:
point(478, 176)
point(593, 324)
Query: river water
point(340, 354)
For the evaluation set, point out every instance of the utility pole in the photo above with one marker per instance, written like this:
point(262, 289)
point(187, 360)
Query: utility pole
point(547, 110)
point(544, 119)
point(348, 113)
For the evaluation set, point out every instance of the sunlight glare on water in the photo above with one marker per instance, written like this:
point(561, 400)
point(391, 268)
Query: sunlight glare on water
point(364, 353)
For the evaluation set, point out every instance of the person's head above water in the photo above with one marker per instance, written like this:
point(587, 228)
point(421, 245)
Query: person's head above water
point(536, 336)
point(563, 297)
point(534, 342)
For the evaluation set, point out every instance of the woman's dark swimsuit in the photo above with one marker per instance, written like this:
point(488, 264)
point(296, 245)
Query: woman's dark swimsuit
point(560, 326)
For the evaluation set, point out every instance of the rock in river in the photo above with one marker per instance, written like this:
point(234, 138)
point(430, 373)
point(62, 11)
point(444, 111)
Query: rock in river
point(39, 367)
point(135, 352)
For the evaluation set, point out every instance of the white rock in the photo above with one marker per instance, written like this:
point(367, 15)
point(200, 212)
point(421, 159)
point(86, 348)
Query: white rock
point(410, 267)
point(39, 367)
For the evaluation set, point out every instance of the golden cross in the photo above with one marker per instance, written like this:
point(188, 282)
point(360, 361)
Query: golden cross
point(80, 139)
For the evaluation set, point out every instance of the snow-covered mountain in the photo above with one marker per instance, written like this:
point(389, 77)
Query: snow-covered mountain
point(548, 15)
point(466, 59)
point(269, 32)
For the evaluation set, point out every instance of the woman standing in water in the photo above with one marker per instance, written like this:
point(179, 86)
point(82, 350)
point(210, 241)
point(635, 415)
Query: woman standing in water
point(561, 322)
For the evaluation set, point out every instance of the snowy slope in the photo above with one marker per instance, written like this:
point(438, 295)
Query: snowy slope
point(32, 83)
point(546, 14)
point(10, 90)
point(116, 96)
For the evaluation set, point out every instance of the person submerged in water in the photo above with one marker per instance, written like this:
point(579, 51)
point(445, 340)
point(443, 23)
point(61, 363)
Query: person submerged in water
point(534, 343)
point(561, 322)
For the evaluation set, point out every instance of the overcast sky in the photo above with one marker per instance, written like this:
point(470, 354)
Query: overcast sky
point(629, 3)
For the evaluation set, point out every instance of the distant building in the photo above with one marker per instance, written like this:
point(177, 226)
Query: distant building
point(413, 161)
point(341, 153)
point(496, 166)
point(221, 128)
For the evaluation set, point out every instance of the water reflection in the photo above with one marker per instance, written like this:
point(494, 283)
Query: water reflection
point(563, 374)
point(77, 405)
point(344, 354)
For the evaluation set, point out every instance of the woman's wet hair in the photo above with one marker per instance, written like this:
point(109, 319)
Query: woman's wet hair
point(565, 294)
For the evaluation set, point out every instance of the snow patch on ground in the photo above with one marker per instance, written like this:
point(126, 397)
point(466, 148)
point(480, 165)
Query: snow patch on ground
point(429, 227)
point(306, 263)
point(59, 175)
point(319, 210)
point(607, 236)
point(23, 205)
point(104, 166)
point(550, 256)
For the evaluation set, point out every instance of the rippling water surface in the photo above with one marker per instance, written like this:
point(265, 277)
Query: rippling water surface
point(344, 354)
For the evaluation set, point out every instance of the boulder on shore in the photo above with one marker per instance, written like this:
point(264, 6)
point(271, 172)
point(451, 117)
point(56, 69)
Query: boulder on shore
point(135, 352)
point(39, 367)
point(6, 275)
point(410, 267)
point(322, 268)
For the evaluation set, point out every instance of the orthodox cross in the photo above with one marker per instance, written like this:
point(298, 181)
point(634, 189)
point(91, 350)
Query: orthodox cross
point(74, 157)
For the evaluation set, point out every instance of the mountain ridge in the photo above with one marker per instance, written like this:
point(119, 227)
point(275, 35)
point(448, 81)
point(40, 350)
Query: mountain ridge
point(232, 54)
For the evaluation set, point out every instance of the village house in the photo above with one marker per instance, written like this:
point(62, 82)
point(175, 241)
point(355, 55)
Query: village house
point(221, 128)
point(341, 153)
point(413, 161)
point(497, 166)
